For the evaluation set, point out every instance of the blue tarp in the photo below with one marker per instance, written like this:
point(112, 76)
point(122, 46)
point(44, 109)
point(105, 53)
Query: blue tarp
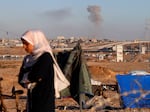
point(134, 90)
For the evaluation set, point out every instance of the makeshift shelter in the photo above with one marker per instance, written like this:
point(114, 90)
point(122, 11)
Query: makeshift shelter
point(74, 67)
point(134, 89)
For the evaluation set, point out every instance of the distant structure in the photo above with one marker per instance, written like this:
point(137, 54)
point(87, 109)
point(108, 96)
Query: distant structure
point(119, 51)
point(147, 33)
point(143, 50)
point(147, 29)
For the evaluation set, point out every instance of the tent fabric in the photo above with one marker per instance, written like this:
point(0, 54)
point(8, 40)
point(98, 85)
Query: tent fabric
point(74, 67)
point(134, 90)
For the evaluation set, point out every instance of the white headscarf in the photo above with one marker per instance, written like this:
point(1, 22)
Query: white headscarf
point(38, 40)
point(41, 45)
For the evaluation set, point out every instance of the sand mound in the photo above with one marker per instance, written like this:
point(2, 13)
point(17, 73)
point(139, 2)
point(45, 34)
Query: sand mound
point(102, 74)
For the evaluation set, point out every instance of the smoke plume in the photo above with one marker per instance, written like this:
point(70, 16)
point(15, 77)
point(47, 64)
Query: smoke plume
point(94, 16)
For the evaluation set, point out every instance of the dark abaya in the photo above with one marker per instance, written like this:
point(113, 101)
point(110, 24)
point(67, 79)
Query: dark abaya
point(42, 96)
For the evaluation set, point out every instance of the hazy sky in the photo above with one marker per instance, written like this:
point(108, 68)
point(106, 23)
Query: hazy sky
point(110, 19)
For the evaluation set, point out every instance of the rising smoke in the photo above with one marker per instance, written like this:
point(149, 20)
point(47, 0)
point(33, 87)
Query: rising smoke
point(96, 19)
point(94, 16)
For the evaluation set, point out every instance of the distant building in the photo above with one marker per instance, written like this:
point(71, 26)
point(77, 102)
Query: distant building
point(60, 37)
point(19, 45)
point(119, 52)
point(143, 50)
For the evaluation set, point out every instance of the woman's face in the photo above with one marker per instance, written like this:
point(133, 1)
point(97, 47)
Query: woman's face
point(27, 46)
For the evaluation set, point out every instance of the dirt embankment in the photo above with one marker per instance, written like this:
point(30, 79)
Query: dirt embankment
point(106, 71)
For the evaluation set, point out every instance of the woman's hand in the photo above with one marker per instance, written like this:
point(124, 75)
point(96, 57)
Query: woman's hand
point(31, 85)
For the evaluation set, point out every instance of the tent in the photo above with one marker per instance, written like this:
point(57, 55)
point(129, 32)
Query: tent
point(74, 67)
point(134, 89)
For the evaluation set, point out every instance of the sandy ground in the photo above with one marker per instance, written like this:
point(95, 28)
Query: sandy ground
point(104, 72)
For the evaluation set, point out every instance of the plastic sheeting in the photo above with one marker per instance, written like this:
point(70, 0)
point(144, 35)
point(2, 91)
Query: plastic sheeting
point(134, 90)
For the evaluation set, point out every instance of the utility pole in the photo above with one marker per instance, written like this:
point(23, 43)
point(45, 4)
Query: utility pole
point(147, 33)
point(147, 37)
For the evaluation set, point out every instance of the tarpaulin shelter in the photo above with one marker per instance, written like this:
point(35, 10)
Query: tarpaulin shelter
point(134, 90)
point(75, 70)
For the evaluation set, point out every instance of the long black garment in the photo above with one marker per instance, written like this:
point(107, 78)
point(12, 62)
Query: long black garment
point(42, 97)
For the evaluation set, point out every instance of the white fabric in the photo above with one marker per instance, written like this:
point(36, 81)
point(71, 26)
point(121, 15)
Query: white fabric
point(41, 45)
point(139, 72)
